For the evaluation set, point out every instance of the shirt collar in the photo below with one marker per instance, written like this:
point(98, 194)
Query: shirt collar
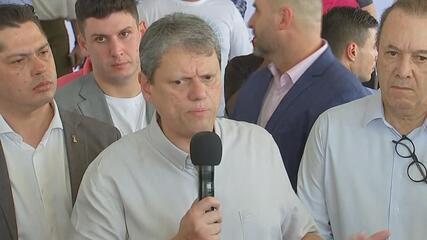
point(56, 122)
point(166, 148)
point(278, 79)
point(298, 70)
point(4, 126)
point(375, 110)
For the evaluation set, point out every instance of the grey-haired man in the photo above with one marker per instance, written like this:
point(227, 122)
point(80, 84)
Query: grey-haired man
point(150, 193)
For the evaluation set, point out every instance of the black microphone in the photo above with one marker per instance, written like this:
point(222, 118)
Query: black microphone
point(206, 152)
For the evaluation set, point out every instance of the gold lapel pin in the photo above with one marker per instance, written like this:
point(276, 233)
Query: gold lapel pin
point(74, 139)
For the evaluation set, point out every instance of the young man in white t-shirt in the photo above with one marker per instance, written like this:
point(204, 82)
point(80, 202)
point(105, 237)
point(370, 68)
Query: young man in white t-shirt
point(110, 36)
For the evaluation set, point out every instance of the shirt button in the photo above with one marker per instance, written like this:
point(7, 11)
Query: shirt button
point(188, 163)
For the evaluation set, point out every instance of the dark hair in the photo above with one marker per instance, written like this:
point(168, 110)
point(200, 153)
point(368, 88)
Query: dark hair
point(102, 8)
point(12, 15)
point(344, 24)
point(176, 30)
point(412, 7)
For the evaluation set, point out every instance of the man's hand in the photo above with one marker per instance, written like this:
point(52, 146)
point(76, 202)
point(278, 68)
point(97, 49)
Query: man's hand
point(200, 223)
point(380, 235)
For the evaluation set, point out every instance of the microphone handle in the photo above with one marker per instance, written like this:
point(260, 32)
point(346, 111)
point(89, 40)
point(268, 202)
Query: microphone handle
point(206, 181)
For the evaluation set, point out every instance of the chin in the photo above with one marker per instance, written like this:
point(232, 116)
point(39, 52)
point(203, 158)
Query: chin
point(203, 127)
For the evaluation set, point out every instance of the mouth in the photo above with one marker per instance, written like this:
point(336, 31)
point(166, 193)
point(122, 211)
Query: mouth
point(119, 64)
point(43, 86)
point(199, 111)
point(399, 88)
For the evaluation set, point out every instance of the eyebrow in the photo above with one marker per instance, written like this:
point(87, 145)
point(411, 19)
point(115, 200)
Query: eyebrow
point(25, 54)
point(421, 51)
point(393, 47)
point(105, 35)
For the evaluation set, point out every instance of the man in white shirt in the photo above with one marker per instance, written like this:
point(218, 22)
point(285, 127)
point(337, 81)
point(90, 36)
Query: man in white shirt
point(364, 164)
point(151, 192)
point(223, 17)
point(43, 151)
point(110, 36)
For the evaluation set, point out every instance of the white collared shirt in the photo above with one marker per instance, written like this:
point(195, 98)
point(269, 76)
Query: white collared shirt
point(40, 182)
point(142, 185)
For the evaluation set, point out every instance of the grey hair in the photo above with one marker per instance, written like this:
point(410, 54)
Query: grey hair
point(176, 30)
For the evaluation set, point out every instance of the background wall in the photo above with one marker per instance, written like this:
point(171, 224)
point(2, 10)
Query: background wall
point(381, 5)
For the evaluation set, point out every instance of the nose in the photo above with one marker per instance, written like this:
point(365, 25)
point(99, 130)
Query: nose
point(116, 47)
point(404, 67)
point(39, 65)
point(197, 90)
point(251, 22)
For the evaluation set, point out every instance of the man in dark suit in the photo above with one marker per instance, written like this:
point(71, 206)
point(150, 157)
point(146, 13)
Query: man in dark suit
point(303, 80)
point(236, 73)
point(43, 151)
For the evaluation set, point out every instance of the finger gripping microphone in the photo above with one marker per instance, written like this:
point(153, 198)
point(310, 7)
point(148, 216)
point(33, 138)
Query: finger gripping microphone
point(206, 152)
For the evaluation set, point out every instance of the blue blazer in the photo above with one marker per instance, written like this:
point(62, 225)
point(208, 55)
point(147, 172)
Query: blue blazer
point(325, 84)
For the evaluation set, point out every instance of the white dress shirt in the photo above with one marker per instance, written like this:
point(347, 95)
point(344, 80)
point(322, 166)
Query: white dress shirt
point(352, 179)
point(142, 185)
point(40, 182)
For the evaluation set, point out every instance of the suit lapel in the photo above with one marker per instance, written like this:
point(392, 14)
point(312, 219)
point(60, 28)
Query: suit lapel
point(94, 104)
point(6, 197)
point(255, 98)
point(311, 76)
point(76, 152)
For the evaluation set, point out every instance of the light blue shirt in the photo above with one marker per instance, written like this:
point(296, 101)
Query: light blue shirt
point(351, 177)
point(22, 2)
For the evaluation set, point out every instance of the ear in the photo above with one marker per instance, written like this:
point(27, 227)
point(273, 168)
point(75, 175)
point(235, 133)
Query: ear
point(82, 44)
point(351, 51)
point(142, 27)
point(286, 15)
point(145, 86)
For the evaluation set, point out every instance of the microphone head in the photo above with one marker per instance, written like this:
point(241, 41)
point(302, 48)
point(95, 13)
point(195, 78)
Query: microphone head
point(205, 149)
